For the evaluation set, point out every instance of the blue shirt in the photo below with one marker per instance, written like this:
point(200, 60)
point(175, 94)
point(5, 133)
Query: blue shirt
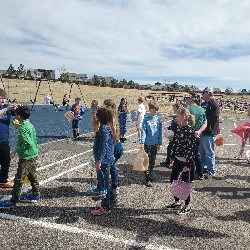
point(5, 123)
point(103, 149)
point(151, 131)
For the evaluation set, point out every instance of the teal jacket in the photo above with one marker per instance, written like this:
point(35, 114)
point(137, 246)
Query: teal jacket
point(26, 147)
point(151, 133)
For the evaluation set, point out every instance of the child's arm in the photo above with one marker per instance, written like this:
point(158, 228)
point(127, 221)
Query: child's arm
point(160, 133)
point(82, 110)
point(190, 150)
point(102, 148)
point(25, 139)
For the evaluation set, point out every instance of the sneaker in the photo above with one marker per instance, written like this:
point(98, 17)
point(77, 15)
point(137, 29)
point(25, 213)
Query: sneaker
point(208, 176)
point(165, 164)
point(174, 206)
point(6, 204)
point(149, 184)
point(114, 203)
point(100, 211)
point(6, 185)
point(29, 198)
point(201, 177)
point(184, 210)
point(191, 181)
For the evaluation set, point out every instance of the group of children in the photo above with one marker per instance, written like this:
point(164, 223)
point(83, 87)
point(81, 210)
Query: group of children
point(26, 149)
point(108, 129)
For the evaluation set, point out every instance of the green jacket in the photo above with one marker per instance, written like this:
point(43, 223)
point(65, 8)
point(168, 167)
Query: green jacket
point(26, 147)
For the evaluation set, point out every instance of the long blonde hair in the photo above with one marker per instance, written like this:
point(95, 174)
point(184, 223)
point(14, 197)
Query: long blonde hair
point(114, 125)
point(190, 119)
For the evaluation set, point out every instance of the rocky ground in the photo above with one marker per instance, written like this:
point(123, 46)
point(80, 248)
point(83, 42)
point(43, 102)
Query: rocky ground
point(219, 219)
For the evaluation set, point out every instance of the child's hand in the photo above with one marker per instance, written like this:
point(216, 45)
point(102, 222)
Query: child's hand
point(197, 134)
point(171, 161)
point(98, 166)
point(186, 169)
point(13, 153)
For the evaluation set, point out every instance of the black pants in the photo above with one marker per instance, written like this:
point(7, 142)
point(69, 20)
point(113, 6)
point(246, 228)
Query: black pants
point(169, 149)
point(4, 161)
point(176, 170)
point(151, 151)
point(197, 161)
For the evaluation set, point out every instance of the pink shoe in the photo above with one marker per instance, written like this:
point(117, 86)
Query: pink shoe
point(100, 211)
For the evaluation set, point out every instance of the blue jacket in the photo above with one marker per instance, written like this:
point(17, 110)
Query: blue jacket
point(5, 123)
point(151, 131)
point(103, 149)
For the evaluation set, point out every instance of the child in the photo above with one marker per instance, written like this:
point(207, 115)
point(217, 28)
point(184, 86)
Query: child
point(246, 134)
point(103, 151)
point(113, 169)
point(27, 151)
point(78, 110)
point(182, 154)
point(141, 111)
point(6, 110)
point(172, 127)
point(94, 107)
point(65, 101)
point(151, 139)
point(122, 118)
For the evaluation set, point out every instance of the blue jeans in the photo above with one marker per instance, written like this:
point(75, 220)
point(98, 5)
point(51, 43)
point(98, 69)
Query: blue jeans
point(103, 182)
point(122, 124)
point(76, 123)
point(207, 153)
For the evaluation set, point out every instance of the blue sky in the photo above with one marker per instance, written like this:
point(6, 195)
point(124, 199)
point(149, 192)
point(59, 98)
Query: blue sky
point(199, 42)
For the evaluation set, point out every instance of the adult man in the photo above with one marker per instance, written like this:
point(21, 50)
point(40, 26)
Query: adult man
point(200, 125)
point(209, 134)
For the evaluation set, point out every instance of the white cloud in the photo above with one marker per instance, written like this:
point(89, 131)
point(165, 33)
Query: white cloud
point(140, 39)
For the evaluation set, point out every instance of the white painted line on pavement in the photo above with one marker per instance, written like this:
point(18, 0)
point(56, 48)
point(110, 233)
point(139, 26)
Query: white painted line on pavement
point(95, 234)
point(60, 161)
point(62, 173)
point(66, 159)
point(234, 145)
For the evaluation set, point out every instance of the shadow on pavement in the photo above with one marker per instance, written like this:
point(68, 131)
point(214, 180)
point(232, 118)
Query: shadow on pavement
point(231, 192)
point(136, 220)
point(239, 215)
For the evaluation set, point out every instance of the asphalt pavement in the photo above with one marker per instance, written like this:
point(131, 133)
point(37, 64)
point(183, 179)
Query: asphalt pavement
point(220, 216)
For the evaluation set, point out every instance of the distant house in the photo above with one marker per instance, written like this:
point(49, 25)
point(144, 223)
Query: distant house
point(217, 91)
point(145, 86)
point(3, 72)
point(38, 73)
point(73, 77)
point(108, 80)
point(156, 87)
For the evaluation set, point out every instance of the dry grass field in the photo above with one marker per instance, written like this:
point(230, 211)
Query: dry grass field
point(25, 90)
